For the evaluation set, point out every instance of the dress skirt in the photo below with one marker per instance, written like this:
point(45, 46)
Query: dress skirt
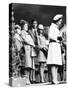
point(28, 59)
point(54, 54)
point(41, 57)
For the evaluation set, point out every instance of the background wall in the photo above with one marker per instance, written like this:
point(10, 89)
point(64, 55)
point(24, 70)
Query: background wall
point(43, 13)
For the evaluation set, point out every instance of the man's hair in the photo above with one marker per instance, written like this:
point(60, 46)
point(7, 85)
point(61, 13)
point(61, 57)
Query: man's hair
point(33, 20)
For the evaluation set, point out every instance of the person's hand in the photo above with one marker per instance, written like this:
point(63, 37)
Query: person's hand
point(58, 41)
point(34, 46)
point(59, 38)
point(40, 47)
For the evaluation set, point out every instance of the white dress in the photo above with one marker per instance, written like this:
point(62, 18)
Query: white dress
point(27, 38)
point(42, 42)
point(54, 52)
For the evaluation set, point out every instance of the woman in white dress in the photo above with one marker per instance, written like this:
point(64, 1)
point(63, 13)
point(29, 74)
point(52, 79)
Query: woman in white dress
point(42, 44)
point(28, 43)
point(54, 53)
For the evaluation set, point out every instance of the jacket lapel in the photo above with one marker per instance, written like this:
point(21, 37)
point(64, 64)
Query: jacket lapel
point(32, 35)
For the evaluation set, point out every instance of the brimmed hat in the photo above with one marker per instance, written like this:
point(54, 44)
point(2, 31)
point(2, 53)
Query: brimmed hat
point(58, 17)
point(40, 26)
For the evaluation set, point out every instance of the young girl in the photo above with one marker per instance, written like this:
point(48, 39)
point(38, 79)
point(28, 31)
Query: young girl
point(42, 44)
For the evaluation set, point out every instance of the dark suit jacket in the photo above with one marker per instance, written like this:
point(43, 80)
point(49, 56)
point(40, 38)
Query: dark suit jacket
point(33, 35)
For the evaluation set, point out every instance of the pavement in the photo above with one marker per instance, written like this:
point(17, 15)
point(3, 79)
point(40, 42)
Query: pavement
point(48, 83)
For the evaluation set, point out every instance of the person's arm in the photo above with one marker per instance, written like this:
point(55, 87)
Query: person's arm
point(26, 41)
point(23, 38)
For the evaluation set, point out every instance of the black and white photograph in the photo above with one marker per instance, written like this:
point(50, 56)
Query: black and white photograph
point(37, 45)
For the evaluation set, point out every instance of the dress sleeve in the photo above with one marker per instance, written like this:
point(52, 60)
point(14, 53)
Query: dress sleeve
point(51, 33)
point(23, 35)
point(27, 39)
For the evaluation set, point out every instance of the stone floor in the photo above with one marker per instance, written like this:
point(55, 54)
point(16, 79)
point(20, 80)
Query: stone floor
point(48, 83)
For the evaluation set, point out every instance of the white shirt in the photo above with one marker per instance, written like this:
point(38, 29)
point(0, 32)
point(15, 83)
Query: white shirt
point(54, 32)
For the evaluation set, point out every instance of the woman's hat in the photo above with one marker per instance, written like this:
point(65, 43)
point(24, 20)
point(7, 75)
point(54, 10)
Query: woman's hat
point(40, 26)
point(58, 17)
point(17, 27)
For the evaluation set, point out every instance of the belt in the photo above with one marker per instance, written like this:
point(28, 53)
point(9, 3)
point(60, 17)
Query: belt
point(51, 40)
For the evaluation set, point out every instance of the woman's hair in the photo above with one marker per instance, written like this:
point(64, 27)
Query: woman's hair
point(22, 23)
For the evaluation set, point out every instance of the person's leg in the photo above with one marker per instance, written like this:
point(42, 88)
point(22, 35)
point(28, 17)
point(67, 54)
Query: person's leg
point(61, 73)
point(42, 72)
point(27, 76)
point(32, 76)
point(64, 73)
point(64, 68)
point(49, 74)
point(54, 73)
point(33, 69)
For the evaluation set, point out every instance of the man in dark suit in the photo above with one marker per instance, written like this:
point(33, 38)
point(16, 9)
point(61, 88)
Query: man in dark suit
point(33, 33)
